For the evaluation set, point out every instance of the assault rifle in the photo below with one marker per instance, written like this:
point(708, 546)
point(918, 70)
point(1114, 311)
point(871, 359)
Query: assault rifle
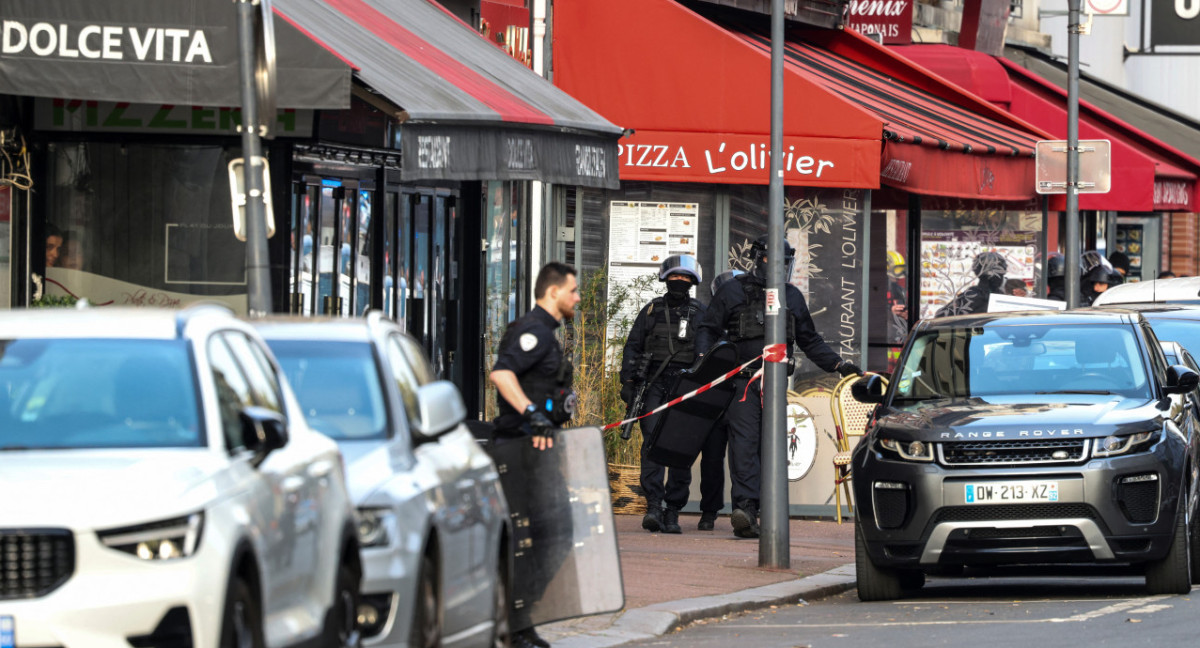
point(635, 406)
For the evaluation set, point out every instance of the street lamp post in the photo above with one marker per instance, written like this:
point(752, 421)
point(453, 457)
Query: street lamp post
point(1072, 244)
point(773, 542)
point(258, 277)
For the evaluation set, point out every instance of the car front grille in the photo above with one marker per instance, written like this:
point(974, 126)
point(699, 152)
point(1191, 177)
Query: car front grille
point(1001, 512)
point(34, 562)
point(1040, 451)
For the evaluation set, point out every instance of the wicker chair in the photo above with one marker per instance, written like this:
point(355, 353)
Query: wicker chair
point(850, 422)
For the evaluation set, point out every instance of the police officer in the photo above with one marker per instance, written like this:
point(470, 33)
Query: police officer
point(661, 343)
point(533, 378)
point(1096, 274)
point(989, 267)
point(1056, 271)
point(738, 311)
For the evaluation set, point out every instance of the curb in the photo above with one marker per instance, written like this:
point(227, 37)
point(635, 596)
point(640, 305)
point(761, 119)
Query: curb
point(661, 618)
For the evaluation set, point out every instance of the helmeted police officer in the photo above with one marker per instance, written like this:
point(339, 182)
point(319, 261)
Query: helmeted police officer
point(989, 267)
point(533, 376)
point(738, 312)
point(1096, 274)
point(661, 343)
point(1056, 277)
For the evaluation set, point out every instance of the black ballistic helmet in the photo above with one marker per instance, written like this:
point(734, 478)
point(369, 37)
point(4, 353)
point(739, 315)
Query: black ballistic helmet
point(722, 278)
point(1094, 268)
point(758, 251)
point(1056, 266)
point(989, 264)
point(684, 264)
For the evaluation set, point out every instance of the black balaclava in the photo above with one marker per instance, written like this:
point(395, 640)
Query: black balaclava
point(677, 290)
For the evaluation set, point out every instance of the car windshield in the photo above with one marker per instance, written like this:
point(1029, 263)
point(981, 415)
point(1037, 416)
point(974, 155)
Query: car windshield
point(1023, 359)
point(338, 386)
point(93, 393)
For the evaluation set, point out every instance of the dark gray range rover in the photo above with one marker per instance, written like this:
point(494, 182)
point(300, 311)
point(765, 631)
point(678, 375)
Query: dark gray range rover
point(1028, 439)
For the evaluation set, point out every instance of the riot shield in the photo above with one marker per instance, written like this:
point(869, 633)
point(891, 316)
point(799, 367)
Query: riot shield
point(681, 430)
point(565, 560)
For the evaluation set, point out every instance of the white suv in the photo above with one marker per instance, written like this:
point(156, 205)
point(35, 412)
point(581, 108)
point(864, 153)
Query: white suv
point(161, 488)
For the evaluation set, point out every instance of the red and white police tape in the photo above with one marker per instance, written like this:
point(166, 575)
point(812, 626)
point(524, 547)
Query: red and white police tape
point(772, 353)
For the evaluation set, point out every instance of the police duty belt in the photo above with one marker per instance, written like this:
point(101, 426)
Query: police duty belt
point(771, 353)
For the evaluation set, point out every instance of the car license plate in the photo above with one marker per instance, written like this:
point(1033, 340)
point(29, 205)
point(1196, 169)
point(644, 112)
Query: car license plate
point(1009, 492)
point(8, 632)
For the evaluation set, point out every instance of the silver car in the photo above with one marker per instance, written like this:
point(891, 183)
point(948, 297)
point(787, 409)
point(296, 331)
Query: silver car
point(432, 519)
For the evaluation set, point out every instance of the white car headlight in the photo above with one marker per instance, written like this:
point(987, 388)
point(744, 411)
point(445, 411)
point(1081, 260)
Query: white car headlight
point(372, 527)
point(165, 540)
point(909, 450)
point(1115, 445)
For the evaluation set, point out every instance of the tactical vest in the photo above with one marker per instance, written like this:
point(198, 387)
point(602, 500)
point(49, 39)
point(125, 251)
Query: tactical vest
point(671, 331)
point(747, 322)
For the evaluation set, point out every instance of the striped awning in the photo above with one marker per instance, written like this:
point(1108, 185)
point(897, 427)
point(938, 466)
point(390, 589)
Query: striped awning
point(922, 131)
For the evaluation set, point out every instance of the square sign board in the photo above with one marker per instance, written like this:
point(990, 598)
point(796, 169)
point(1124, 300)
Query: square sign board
point(1095, 166)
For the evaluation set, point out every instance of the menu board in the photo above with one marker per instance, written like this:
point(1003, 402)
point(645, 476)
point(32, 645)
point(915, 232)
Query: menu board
point(641, 235)
point(1130, 241)
point(946, 258)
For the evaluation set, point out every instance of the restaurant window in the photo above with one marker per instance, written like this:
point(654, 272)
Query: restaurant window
point(141, 225)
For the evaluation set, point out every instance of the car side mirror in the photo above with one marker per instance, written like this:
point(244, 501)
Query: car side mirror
point(868, 389)
point(1180, 380)
point(439, 408)
point(263, 431)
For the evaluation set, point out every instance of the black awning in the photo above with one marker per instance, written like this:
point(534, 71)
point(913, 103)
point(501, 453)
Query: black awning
point(448, 152)
point(472, 112)
point(154, 52)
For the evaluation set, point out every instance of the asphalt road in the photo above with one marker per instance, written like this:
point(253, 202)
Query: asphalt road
point(1027, 612)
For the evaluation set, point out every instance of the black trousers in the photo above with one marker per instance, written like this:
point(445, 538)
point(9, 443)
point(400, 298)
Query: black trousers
point(672, 485)
point(744, 418)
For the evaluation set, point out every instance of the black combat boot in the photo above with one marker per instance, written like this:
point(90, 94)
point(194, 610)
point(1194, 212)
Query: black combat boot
point(745, 519)
point(671, 520)
point(707, 520)
point(652, 521)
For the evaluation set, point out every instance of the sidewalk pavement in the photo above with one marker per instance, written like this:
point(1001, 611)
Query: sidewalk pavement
point(673, 580)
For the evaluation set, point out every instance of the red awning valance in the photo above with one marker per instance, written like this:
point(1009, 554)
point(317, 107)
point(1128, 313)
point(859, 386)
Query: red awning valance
point(1148, 175)
point(697, 95)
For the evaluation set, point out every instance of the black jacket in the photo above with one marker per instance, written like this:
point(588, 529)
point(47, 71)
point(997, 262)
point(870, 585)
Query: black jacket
point(729, 300)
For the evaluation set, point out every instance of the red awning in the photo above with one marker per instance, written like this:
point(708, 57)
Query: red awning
point(932, 146)
point(1148, 175)
point(697, 95)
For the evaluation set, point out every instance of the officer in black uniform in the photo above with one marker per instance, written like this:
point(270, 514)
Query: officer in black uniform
point(533, 378)
point(738, 311)
point(990, 268)
point(661, 343)
point(1056, 277)
point(1096, 274)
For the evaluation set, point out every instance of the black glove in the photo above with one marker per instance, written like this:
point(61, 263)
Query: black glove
point(847, 368)
point(628, 392)
point(539, 423)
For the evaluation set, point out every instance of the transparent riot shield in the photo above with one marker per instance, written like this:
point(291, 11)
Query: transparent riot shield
point(680, 431)
point(565, 559)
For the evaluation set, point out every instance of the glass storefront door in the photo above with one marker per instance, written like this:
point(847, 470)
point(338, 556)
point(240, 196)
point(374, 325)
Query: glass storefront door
point(330, 269)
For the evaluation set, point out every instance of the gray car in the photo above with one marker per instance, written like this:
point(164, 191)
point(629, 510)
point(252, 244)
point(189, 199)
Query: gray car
point(433, 522)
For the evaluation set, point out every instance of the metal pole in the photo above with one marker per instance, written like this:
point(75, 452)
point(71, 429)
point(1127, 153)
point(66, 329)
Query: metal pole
point(258, 277)
point(774, 545)
point(1072, 244)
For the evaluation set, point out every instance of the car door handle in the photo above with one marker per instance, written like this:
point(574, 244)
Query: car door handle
point(320, 469)
point(292, 484)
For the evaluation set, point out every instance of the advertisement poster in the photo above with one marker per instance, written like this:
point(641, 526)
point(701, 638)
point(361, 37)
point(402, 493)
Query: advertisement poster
point(641, 235)
point(946, 258)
